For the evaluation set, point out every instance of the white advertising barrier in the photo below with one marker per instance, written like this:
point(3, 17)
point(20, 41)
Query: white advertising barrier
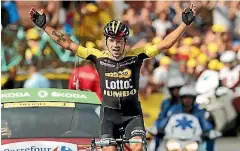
point(39, 146)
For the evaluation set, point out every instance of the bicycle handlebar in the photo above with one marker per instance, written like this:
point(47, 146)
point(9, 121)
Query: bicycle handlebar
point(117, 141)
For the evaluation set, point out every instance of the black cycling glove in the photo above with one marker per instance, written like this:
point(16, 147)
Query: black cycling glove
point(188, 16)
point(39, 20)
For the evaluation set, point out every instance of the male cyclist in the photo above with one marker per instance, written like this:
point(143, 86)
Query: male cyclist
point(119, 73)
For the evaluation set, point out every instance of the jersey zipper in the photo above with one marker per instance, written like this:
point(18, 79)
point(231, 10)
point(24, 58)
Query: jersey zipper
point(119, 100)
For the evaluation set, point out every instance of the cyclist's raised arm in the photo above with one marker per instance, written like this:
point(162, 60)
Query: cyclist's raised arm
point(172, 38)
point(188, 16)
point(60, 38)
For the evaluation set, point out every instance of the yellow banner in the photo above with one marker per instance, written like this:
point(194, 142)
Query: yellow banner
point(151, 108)
point(38, 104)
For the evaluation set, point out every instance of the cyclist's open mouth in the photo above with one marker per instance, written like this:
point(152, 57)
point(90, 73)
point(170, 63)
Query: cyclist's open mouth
point(116, 49)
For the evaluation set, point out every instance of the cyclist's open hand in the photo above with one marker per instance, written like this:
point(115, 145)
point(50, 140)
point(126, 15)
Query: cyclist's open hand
point(188, 15)
point(39, 19)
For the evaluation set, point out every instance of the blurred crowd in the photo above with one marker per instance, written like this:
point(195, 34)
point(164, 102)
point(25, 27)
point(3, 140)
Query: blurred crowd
point(212, 42)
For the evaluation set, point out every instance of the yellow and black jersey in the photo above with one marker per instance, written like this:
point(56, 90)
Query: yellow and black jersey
point(119, 80)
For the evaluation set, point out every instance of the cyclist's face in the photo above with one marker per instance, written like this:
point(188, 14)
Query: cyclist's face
point(116, 46)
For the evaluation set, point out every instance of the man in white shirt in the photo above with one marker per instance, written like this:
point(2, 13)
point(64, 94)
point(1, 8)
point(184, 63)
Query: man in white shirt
point(230, 72)
point(36, 80)
point(162, 24)
point(160, 74)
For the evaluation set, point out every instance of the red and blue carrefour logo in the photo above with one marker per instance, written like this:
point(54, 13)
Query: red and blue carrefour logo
point(62, 148)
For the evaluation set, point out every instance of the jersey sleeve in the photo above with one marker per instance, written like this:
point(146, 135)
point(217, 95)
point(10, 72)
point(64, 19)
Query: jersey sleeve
point(89, 53)
point(148, 51)
point(84, 52)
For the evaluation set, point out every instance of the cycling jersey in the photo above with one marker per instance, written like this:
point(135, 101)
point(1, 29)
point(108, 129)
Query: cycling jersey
point(119, 80)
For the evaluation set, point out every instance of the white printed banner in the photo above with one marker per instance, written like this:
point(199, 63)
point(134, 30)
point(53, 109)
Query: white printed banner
point(39, 146)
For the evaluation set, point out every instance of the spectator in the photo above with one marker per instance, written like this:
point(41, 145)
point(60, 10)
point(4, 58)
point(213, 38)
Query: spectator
point(70, 12)
point(238, 56)
point(162, 24)
point(228, 58)
point(86, 21)
point(174, 67)
point(182, 67)
point(105, 11)
point(212, 50)
point(230, 72)
point(160, 74)
point(4, 17)
point(36, 80)
point(236, 45)
point(207, 40)
point(85, 77)
point(205, 16)
point(190, 76)
point(144, 18)
point(174, 84)
point(148, 5)
point(176, 8)
point(130, 17)
point(54, 11)
point(213, 64)
point(145, 82)
point(138, 34)
point(12, 11)
point(201, 64)
point(10, 84)
point(220, 14)
point(32, 37)
point(161, 6)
